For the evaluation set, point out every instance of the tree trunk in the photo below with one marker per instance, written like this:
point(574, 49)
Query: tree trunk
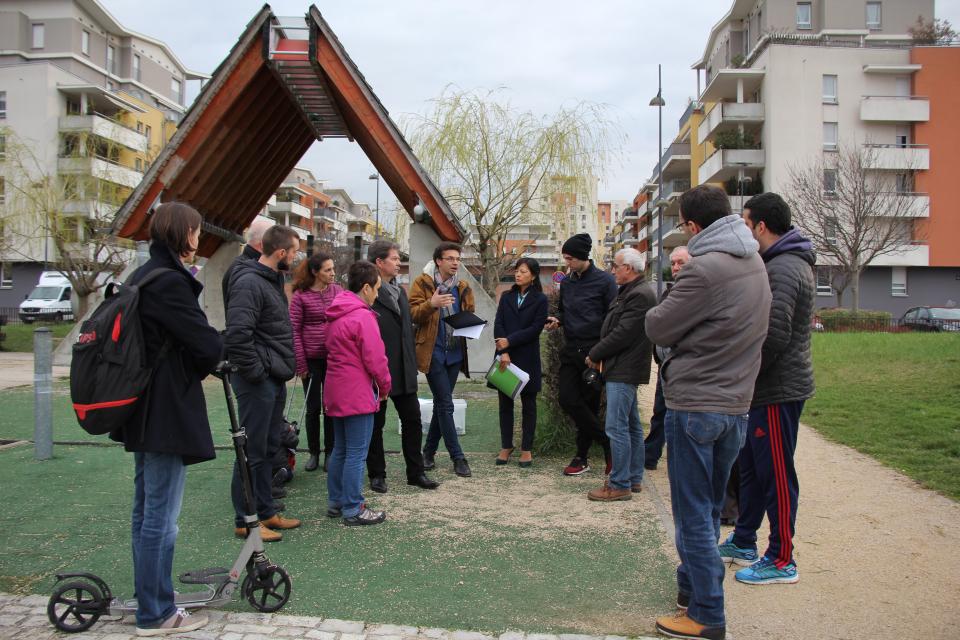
point(490, 277)
point(855, 291)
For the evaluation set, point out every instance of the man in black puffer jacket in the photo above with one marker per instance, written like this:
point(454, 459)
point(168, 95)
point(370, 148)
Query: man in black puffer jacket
point(259, 343)
point(768, 478)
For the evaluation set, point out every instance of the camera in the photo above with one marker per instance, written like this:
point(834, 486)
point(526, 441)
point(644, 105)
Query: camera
point(593, 379)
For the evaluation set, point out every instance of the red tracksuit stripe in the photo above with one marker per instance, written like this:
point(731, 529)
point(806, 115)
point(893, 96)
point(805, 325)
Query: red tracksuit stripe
point(783, 491)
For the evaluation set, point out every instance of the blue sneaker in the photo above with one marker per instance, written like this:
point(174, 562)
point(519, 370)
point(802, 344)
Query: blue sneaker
point(766, 572)
point(730, 552)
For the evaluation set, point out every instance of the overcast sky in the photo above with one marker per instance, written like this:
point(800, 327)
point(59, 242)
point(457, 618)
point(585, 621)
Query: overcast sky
point(547, 53)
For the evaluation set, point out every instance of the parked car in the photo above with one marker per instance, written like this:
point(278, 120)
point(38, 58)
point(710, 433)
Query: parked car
point(931, 319)
point(49, 300)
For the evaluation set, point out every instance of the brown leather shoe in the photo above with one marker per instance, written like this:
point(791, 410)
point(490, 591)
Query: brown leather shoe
point(279, 522)
point(681, 626)
point(636, 488)
point(609, 494)
point(265, 534)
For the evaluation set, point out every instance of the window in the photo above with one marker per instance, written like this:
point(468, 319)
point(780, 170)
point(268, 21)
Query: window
point(898, 282)
point(175, 89)
point(830, 89)
point(804, 15)
point(139, 165)
point(6, 275)
point(830, 134)
point(830, 227)
point(904, 183)
point(3, 105)
point(37, 42)
point(111, 59)
point(139, 127)
point(136, 67)
point(3, 190)
point(148, 131)
point(85, 43)
point(902, 85)
point(823, 282)
point(902, 136)
point(830, 181)
point(3, 146)
point(873, 15)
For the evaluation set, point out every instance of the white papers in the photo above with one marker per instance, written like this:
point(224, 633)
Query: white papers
point(470, 332)
point(521, 375)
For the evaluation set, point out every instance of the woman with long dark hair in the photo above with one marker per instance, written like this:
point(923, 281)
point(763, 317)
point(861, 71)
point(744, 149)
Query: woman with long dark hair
point(313, 291)
point(521, 316)
point(170, 429)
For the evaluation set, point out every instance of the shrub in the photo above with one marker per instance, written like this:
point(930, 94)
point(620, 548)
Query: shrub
point(555, 431)
point(733, 139)
point(845, 320)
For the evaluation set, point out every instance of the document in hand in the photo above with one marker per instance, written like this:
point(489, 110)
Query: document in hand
point(510, 381)
point(466, 324)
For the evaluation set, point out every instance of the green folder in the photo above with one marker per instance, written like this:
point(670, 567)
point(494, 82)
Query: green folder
point(510, 381)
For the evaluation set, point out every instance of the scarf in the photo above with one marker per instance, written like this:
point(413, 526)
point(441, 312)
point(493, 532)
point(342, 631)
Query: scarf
point(393, 294)
point(447, 286)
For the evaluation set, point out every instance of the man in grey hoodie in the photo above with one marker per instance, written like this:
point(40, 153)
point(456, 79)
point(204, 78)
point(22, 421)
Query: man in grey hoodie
point(715, 321)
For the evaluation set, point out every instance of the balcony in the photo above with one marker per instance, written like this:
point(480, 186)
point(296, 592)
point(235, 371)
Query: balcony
point(894, 109)
point(906, 204)
point(916, 254)
point(105, 128)
point(90, 208)
point(729, 115)
point(890, 157)
point(732, 84)
point(99, 168)
point(675, 160)
point(294, 208)
point(726, 163)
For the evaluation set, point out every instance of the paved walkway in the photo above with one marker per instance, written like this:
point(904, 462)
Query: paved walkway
point(16, 369)
point(25, 618)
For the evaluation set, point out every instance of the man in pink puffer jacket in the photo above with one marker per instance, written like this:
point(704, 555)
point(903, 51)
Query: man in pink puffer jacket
point(358, 379)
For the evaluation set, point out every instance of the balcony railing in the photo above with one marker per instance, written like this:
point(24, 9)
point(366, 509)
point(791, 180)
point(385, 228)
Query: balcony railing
point(101, 168)
point(106, 128)
point(724, 163)
point(907, 204)
point(893, 157)
point(676, 153)
point(728, 115)
point(895, 108)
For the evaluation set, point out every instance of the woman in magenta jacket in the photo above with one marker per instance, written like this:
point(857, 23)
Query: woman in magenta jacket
point(313, 291)
point(358, 380)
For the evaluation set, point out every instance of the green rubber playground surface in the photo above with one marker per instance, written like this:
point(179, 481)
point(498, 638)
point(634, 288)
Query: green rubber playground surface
point(506, 549)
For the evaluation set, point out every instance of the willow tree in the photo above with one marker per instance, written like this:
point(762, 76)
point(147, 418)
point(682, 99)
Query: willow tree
point(499, 166)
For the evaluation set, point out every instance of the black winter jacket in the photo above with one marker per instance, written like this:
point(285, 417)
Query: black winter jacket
point(584, 299)
point(786, 369)
point(259, 338)
point(396, 329)
point(624, 348)
point(249, 254)
point(172, 418)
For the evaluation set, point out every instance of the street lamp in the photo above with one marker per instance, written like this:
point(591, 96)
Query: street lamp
point(376, 232)
point(658, 102)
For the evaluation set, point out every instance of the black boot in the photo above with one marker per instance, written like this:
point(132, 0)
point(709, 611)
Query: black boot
point(423, 482)
point(378, 485)
point(461, 468)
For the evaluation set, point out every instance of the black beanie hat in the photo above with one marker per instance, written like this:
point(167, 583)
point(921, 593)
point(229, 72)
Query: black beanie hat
point(578, 246)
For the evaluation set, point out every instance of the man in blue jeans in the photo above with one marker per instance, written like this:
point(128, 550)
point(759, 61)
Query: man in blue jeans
point(624, 355)
point(715, 321)
point(436, 294)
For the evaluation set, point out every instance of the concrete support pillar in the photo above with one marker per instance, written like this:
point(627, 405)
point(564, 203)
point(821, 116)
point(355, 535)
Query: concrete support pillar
point(480, 352)
point(211, 276)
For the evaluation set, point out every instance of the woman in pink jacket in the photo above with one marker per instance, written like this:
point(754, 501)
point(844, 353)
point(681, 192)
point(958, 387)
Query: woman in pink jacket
point(358, 379)
point(313, 291)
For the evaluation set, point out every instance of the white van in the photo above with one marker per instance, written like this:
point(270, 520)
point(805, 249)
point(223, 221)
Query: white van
point(49, 300)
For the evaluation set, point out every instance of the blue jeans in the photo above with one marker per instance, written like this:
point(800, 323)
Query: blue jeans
point(260, 405)
point(351, 440)
point(157, 496)
point(442, 378)
point(625, 431)
point(702, 448)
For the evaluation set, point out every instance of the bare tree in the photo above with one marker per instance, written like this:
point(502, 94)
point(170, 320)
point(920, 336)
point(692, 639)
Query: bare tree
point(496, 165)
point(853, 212)
point(34, 215)
point(934, 31)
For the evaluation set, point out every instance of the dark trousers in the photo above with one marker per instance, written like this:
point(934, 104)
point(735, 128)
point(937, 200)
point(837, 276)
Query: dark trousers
point(653, 443)
point(411, 433)
point(260, 406)
point(528, 424)
point(318, 371)
point(768, 480)
point(580, 401)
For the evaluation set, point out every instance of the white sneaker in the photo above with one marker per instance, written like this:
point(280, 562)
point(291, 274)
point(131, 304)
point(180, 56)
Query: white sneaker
point(179, 622)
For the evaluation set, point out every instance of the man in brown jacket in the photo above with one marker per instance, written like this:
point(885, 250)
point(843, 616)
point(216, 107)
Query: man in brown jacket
point(436, 294)
point(715, 321)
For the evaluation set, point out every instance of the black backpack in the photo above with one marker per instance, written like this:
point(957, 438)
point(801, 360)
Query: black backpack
point(109, 373)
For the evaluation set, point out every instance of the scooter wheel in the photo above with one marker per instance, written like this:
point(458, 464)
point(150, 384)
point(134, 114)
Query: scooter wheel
point(75, 606)
point(270, 591)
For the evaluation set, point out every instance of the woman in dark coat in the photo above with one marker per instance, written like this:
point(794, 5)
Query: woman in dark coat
point(170, 429)
point(521, 316)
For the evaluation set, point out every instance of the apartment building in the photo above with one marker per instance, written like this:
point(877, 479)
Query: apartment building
point(92, 103)
point(298, 203)
point(784, 84)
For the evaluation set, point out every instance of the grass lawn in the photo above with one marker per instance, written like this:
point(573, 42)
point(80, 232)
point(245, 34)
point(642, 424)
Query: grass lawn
point(506, 549)
point(20, 336)
point(895, 397)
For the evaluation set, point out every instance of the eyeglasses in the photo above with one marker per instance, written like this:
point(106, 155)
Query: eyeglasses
point(450, 259)
point(681, 225)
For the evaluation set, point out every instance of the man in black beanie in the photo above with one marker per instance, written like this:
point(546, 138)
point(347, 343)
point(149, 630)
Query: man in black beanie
point(585, 294)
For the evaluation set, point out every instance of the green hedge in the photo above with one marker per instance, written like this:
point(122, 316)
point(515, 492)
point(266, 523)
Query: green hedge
point(847, 320)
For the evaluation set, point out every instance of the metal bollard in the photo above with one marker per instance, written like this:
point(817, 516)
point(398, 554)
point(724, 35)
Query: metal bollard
point(43, 393)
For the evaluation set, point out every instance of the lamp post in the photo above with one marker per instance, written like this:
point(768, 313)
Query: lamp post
point(376, 232)
point(658, 102)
